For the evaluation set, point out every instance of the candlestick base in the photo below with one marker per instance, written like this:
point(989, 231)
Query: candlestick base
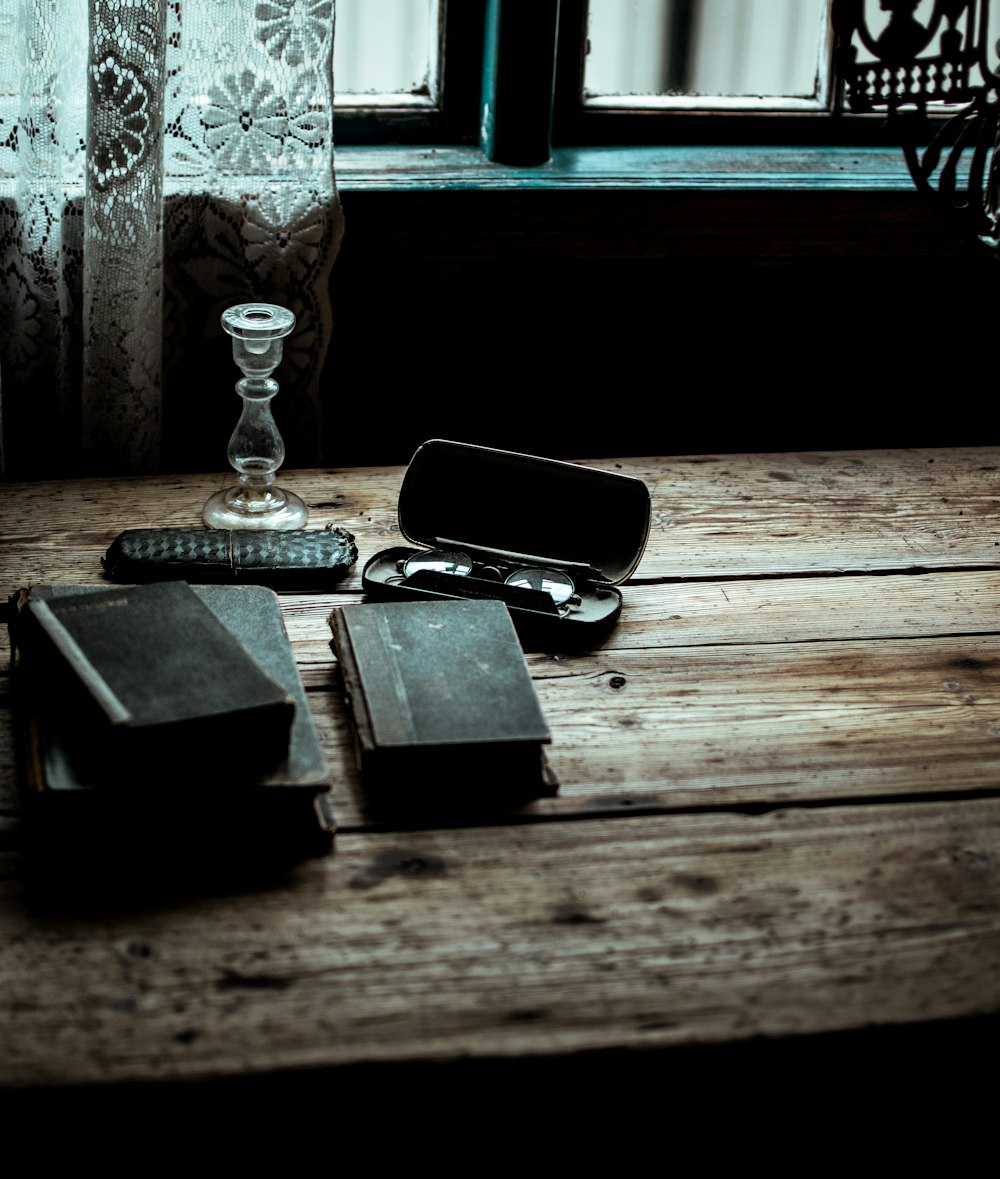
point(269, 507)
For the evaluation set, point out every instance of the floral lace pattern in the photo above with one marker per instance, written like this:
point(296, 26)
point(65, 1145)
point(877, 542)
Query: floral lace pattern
point(199, 174)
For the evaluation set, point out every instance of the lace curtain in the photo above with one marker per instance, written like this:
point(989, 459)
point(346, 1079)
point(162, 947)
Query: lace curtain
point(158, 163)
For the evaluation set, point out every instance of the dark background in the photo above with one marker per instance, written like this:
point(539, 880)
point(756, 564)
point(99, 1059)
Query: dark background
point(580, 324)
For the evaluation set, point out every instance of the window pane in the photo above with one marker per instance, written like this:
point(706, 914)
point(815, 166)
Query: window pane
point(707, 53)
point(386, 50)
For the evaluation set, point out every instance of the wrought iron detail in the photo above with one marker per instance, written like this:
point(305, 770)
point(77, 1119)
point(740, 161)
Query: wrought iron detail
point(913, 68)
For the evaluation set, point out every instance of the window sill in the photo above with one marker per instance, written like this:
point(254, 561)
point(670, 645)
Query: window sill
point(761, 205)
point(676, 168)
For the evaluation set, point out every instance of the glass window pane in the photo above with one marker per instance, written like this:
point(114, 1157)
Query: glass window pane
point(386, 50)
point(715, 52)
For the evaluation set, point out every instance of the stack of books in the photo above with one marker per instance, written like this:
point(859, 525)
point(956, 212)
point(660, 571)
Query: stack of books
point(163, 735)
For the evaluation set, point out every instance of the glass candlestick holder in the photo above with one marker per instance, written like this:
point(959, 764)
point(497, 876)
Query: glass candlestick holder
point(256, 449)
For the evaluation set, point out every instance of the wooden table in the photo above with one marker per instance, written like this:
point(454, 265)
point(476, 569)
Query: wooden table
point(778, 820)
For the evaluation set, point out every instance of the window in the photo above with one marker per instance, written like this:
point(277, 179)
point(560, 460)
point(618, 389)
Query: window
point(623, 71)
point(666, 71)
point(386, 53)
point(714, 54)
point(408, 71)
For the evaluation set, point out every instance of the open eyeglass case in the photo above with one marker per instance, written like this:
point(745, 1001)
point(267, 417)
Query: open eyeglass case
point(551, 539)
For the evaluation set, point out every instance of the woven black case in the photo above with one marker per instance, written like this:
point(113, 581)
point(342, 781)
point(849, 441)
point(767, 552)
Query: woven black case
point(307, 559)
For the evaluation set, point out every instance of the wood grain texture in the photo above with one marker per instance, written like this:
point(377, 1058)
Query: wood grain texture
point(779, 804)
point(712, 516)
point(758, 700)
point(429, 945)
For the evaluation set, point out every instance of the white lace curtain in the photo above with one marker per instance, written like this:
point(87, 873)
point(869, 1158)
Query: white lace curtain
point(158, 163)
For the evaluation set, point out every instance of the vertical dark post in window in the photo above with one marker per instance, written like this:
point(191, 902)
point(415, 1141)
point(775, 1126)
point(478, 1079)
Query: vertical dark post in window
point(680, 29)
point(519, 65)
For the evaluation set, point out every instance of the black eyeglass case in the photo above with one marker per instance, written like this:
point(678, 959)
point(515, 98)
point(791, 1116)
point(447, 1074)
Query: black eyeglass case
point(551, 539)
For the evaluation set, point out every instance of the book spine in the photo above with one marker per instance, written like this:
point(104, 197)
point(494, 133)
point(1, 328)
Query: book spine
point(46, 623)
point(351, 680)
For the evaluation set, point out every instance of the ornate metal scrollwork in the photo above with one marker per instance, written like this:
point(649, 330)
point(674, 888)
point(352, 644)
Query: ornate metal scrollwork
point(914, 68)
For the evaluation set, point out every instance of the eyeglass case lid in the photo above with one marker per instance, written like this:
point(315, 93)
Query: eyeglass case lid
point(540, 510)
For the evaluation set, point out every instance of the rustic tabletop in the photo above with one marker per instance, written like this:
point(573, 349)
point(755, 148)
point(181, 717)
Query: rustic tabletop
point(778, 813)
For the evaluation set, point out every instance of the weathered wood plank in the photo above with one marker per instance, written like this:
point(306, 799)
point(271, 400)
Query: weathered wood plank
point(838, 511)
point(634, 933)
point(791, 610)
point(766, 691)
point(749, 726)
point(768, 610)
point(706, 613)
point(738, 727)
point(65, 527)
point(721, 515)
point(756, 724)
point(778, 652)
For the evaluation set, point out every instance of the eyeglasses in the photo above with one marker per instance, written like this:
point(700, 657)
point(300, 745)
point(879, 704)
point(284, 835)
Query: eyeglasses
point(455, 563)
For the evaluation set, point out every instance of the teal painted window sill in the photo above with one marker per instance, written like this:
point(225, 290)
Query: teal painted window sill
point(679, 168)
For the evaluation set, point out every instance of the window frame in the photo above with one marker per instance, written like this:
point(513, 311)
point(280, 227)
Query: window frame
point(578, 125)
point(457, 119)
point(834, 152)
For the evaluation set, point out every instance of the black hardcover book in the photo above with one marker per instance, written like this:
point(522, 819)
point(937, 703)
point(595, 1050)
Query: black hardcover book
point(150, 674)
point(135, 827)
point(445, 713)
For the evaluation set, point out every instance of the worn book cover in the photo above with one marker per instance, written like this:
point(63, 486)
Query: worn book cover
point(442, 701)
point(114, 830)
point(149, 673)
